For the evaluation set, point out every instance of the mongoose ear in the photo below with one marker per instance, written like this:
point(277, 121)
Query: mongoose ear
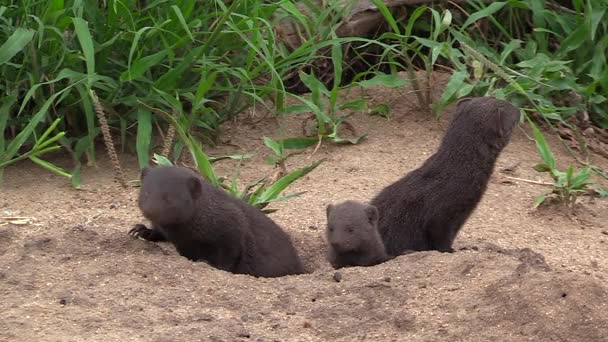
point(144, 172)
point(463, 101)
point(372, 214)
point(504, 119)
point(328, 209)
point(195, 187)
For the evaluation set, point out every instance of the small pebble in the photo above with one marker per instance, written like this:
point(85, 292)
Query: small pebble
point(243, 333)
point(203, 317)
point(338, 277)
point(63, 301)
point(605, 232)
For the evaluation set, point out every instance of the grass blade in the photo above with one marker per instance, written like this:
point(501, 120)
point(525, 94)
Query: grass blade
point(541, 145)
point(182, 21)
point(25, 133)
point(486, 12)
point(298, 143)
point(142, 65)
point(452, 90)
point(15, 44)
point(51, 167)
point(144, 135)
point(277, 187)
point(5, 108)
point(273, 145)
point(81, 28)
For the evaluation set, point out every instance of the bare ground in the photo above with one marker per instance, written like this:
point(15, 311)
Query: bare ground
point(70, 272)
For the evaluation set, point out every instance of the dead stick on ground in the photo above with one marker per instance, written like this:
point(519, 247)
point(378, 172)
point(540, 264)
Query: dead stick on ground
point(528, 181)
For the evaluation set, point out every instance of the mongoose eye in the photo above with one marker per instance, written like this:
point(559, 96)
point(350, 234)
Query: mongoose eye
point(351, 230)
point(331, 229)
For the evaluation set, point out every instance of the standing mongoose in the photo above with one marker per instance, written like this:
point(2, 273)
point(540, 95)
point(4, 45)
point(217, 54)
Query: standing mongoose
point(207, 224)
point(352, 235)
point(425, 209)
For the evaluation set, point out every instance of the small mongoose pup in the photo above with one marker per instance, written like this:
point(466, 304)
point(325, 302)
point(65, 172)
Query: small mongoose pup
point(425, 209)
point(207, 224)
point(352, 235)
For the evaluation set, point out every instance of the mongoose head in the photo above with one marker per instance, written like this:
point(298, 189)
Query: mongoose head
point(168, 194)
point(490, 118)
point(350, 225)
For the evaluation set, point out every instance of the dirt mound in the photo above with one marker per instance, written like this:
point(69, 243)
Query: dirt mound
point(131, 289)
point(73, 274)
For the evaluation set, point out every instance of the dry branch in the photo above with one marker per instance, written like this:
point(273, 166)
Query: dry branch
point(362, 19)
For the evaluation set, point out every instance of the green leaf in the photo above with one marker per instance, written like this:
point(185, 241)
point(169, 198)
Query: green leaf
point(49, 141)
point(50, 167)
point(277, 187)
point(381, 109)
point(299, 143)
point(5, 109)
point(15, 44)
point(541, 168)
point(286, 197)
point(41, 141)
point(508, 49)
point(313, 84)
point(25, 133)
point(451, 89)
point(541, 198)
point(204, 85)
point(541, 145)
point(412, 20)
point(76, 176)
point(134, 43)
point(202, 161)
point(271, 160)
point(486, 12)
point(581, 179)
point(274, 146)
point(596, 20)
point(387, 15)
point(601, 192)
point(89, 115)
point(182, 21)
point(446, 20)
point(144, 136)
point(336, 57)
point(387, 80)
point(356, 105)
point(168, 81)
point(319, 114)
point(232, 156)
point(296, 109)
point(574, 40)
point(140, 66)
point(354, 141)
point(569, 173)
point(161, 160)
point(81, 28)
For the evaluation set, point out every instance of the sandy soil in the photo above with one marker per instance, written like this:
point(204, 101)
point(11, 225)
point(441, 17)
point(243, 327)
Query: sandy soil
point(71, 273)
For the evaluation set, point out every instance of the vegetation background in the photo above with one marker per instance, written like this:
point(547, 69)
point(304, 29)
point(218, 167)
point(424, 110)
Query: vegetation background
point(135, 73)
